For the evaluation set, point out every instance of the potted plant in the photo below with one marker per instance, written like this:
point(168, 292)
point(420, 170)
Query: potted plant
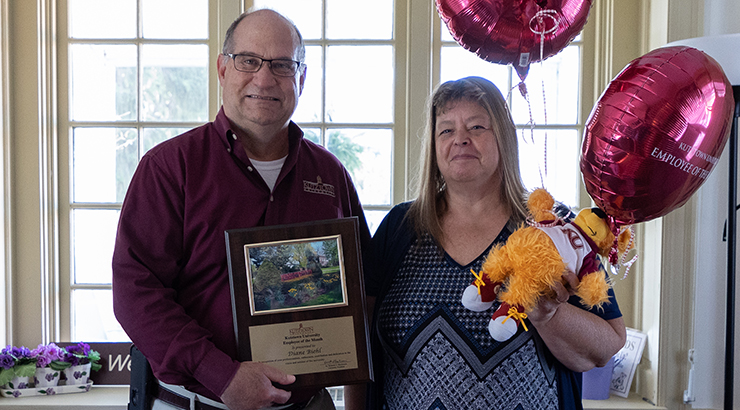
point(78, 360)
point(17, 365)
point(49, 364)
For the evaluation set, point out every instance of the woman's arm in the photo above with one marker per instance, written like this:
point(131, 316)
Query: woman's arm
point(356, 394)
point(579, 339)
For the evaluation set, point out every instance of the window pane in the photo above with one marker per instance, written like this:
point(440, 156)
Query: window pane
point(312, 134)
point(337, 396)
point(458, 62)
point(359, 84)
point(558, 102)
point(446, 36)
point(561, 176)
point(305, 14)
point(366, 153)
point(153, 136)
point(103, 84)
point(103, 161)
point(357, 19)
point(93, 236)
point(374, 218)
point(309, 104)
point(102, 18)
point(93, 319)
point(174, 83)
point(186, 19)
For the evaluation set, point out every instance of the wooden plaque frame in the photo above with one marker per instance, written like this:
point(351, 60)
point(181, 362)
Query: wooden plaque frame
point(324, 341)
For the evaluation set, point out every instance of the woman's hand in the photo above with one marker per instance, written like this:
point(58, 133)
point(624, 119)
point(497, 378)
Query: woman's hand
point(577, 338)
point(548, 306)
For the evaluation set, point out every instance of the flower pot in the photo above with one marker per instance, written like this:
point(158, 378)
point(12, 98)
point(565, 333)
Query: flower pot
point(17, 383)
point(77, 374)
point(46, 377)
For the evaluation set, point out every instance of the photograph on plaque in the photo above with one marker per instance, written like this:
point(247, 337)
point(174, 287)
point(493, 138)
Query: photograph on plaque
point(298, 301)
point(295, 274)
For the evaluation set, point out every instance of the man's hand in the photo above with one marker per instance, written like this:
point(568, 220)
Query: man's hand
point(547, 306)
point(251, 388)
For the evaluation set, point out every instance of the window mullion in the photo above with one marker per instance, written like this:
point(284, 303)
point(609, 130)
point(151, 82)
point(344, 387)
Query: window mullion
point(422, 73)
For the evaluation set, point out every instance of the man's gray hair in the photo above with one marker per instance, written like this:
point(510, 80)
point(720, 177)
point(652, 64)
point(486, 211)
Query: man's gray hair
point(228, 46)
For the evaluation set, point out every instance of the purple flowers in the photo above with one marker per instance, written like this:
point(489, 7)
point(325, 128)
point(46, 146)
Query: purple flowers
point(77, 354)
point(22, 362)
point(6, 361)
point(81, 353)
point(71, 359)
point(60, 358)
point(21, 352)
point(81, 348)
point(45, 354)
point(16, 362)
point(12, 355)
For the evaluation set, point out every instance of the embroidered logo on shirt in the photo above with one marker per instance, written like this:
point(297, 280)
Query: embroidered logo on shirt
point(575, 239)
point(318, 187)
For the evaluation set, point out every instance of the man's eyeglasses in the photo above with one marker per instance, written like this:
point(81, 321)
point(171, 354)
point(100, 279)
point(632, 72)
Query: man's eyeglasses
point(251, 64)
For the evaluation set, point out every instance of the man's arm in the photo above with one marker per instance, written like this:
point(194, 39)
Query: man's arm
point(147, 261)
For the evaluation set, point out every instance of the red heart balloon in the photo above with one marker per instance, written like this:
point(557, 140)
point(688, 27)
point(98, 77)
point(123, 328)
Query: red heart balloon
point(656, 133)
point(510, 31)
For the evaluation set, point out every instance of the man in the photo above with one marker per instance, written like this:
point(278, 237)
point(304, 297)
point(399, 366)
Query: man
point(249, 167)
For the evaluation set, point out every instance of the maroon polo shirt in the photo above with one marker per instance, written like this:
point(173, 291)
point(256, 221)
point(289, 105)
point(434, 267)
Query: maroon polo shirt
point(170, 276)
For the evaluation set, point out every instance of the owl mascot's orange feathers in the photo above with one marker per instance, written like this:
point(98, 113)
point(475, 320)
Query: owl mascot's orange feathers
point(534, 257)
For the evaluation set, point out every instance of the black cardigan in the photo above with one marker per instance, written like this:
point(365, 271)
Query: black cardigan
point(389, 245)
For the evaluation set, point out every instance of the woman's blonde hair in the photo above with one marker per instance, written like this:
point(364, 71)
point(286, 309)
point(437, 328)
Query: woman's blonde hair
point(431, 203)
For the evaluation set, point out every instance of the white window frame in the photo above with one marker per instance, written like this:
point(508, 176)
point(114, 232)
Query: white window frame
point(64, 194)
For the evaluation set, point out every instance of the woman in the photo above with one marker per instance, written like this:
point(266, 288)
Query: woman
point(429, 351)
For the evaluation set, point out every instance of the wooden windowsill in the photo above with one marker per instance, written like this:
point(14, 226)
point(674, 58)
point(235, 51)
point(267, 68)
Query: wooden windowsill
point(116, 398)
point(633, 402)
point(98, 398)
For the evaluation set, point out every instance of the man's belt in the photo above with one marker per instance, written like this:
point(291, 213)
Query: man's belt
point(183, 402)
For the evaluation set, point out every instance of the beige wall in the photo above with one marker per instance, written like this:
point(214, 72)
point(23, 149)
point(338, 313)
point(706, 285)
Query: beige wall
point(24, 133)
point(5, 300)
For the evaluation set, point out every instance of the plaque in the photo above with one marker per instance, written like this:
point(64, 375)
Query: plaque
point(298, 301)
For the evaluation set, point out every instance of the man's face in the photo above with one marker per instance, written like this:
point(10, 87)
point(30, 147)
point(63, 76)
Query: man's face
point(261, 99)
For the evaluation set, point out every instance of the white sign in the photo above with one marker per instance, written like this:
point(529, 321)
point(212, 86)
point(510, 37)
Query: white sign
point(626, 361)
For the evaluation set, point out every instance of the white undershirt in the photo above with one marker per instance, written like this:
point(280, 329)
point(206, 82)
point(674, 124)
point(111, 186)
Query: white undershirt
point(269, 170)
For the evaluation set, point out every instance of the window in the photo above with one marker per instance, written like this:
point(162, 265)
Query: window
point(348, 101)
point(145, 76)
point(138, 74)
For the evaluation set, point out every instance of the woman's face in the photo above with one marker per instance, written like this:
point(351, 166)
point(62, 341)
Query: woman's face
point(466, 146)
